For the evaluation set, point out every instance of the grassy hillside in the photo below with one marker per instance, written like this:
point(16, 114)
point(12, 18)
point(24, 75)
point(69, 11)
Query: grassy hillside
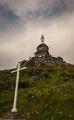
point(51, 98)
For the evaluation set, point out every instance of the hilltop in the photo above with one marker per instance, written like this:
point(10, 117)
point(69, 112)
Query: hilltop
point(42, 57)
point(49, 98)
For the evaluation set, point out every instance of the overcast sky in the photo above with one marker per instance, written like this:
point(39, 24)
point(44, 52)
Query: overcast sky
point(22, 22)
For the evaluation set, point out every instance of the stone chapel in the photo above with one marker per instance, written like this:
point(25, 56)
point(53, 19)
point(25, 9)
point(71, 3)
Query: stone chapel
point(42, 56)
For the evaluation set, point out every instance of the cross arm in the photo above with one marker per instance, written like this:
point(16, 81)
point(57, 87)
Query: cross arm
point(18, 70)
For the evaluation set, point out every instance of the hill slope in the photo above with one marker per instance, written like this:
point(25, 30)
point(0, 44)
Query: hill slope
point(51, 98)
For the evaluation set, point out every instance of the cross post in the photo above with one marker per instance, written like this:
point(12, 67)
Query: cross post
point(14, 109)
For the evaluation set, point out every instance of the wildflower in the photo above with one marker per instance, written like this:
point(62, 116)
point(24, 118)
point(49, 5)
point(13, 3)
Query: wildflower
point(52, 118)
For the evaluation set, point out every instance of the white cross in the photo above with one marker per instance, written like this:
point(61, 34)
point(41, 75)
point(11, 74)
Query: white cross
point(14, 109)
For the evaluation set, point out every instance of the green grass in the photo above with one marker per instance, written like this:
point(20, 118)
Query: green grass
point(49, 99)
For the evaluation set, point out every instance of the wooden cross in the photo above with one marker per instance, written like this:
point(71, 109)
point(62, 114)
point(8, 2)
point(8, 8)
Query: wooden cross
point(14, 109)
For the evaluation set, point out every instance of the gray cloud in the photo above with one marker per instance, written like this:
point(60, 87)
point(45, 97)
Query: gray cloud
point(50, 10)
point(46, 10)
point(40, 7)
point(22, 23)
point(8, 19)
point(36, 10)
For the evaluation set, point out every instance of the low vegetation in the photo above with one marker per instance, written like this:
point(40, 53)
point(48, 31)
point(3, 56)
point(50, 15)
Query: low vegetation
point(49, 98)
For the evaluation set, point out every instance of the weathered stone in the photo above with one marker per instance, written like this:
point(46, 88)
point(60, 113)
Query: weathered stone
point(43, 57)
